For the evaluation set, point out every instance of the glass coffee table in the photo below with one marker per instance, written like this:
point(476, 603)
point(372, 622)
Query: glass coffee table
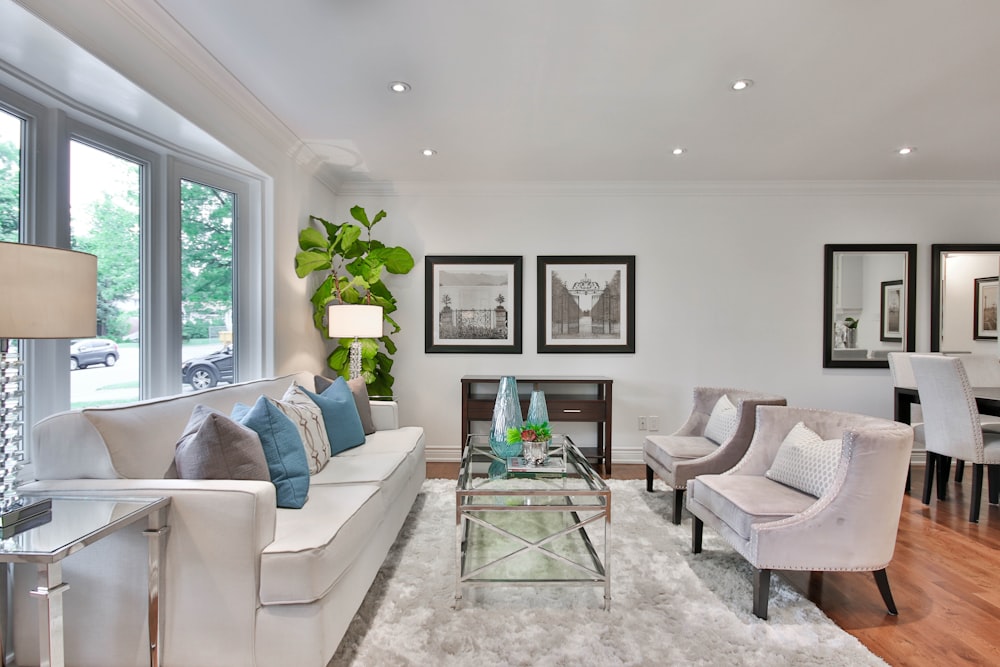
point(531, 526)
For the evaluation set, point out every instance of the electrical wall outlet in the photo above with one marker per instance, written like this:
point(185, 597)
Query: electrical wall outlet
point(654, 423)
point(642, 423)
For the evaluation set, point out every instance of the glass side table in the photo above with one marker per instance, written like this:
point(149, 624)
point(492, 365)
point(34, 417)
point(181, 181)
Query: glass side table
point(77, 522)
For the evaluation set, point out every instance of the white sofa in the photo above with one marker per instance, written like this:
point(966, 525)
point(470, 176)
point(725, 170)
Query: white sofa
point(248, 584)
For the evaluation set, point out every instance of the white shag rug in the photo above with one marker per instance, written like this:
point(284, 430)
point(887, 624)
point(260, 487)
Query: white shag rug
point(669, 606)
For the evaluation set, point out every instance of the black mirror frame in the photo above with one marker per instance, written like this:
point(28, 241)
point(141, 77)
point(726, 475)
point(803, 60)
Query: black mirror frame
point(910, 339)
point(937, 250)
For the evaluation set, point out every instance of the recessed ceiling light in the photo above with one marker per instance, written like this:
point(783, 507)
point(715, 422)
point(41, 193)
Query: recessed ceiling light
point(906, 150)
point(742, 84)
point(399, 87)
point(678, 151)
point(429, 152)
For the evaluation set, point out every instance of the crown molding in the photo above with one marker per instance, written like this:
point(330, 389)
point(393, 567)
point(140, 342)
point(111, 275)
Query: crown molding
point(676, 189)
point(144, 43)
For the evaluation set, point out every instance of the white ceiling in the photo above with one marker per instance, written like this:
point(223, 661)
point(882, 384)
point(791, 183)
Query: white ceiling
point(603, 90)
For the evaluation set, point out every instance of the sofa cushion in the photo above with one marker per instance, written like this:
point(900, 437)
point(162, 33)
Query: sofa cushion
point(340, 413)
point(404, 439)
point(805, 461)
point(741, 501)
point(668, 449)
point(283, 449)
point(389, 470)
point(722, 422)
point(314, 546)
point(308, 418)
point(214, 446)
point(361, 400)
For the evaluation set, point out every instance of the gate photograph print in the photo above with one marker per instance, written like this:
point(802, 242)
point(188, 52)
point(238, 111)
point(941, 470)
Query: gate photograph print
point(586, 304)
point(473, 304)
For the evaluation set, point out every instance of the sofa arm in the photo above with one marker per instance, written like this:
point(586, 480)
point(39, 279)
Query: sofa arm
point(217, 531)
point(385, 415)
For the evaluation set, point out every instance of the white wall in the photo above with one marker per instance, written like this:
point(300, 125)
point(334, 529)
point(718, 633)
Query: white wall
point(729, 285)
point(729, 277)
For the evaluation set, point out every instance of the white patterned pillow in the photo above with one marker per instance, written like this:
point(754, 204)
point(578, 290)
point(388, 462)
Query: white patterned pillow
point(308, 419)
point(722, 422)
point(805, 461)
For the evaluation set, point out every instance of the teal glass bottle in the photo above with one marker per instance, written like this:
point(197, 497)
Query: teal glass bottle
point(506, 414)
point(538, 412)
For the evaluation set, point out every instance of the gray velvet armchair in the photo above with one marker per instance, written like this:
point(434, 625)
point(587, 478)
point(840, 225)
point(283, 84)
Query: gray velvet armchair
point(680, 456)
point(850, 525)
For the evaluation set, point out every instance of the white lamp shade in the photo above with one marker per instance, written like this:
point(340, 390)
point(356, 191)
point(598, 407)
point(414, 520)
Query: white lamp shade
point(349, 321)
point(47, 292)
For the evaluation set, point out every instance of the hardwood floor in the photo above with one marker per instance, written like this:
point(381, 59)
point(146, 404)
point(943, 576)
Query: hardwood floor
point(945, 579)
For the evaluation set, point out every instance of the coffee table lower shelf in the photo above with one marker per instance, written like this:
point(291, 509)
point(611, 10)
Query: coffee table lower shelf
point(531, 530)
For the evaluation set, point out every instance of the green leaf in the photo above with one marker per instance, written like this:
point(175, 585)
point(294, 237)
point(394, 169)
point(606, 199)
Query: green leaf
point(311, 260)
point(359, 214)
point(347, 237)
point(369, 348)
point(310, 237)
point(378, 216)
point(398, 260)
point(390, 345)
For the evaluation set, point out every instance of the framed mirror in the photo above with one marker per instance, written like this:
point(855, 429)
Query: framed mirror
point(869, 303)
point(964, 298)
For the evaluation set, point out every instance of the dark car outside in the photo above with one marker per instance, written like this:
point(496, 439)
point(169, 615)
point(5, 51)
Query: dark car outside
point(210, 370)
point(83, 353)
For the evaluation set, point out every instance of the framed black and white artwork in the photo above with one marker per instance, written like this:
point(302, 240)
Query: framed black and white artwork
point(984, 324)
point(473, 304)
point(586, 304)
point(891, 317)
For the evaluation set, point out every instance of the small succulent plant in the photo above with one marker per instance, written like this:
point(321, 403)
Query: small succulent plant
point(529, 433)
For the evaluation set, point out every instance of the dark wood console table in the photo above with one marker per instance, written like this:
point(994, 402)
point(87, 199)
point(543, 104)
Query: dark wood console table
point(593, 404)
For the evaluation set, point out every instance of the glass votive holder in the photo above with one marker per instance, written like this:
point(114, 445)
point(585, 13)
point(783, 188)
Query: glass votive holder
point(535, 451)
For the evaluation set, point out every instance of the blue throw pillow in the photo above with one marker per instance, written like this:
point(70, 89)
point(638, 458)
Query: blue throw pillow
point(283, 449)
point(340, 413)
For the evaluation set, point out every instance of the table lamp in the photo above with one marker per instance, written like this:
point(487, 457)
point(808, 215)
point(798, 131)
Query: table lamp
point(355, 321)
point(47, 293)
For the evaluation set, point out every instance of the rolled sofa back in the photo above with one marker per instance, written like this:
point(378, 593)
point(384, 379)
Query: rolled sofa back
point(137, 440)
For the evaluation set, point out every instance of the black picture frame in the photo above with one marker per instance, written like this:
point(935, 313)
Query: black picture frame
point(984, 312)
point(833, 358)
point(893, 312)
point(458, 317)
point(607, 283)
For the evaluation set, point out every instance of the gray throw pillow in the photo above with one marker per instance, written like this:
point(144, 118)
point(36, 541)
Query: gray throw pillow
point(360, 391)
point(214, 446)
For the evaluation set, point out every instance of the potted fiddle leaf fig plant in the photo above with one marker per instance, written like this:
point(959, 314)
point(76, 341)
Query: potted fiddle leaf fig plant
point(352, 263)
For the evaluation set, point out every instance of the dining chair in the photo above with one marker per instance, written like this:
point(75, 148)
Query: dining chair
point(952, 428)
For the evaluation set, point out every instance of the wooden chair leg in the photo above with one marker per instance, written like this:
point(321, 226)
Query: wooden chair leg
point(678, 505)
point(929, 477)
point(761, 590)
point(993, 474)
point(649, 479)
point(882, 579)
point(909, 474)
point(697, 528)
point(944, 471)
point(977, 492)
point(959, 470)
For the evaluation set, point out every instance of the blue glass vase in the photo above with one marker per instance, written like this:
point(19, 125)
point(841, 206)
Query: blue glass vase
point(506, 414)
point(538, 413)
